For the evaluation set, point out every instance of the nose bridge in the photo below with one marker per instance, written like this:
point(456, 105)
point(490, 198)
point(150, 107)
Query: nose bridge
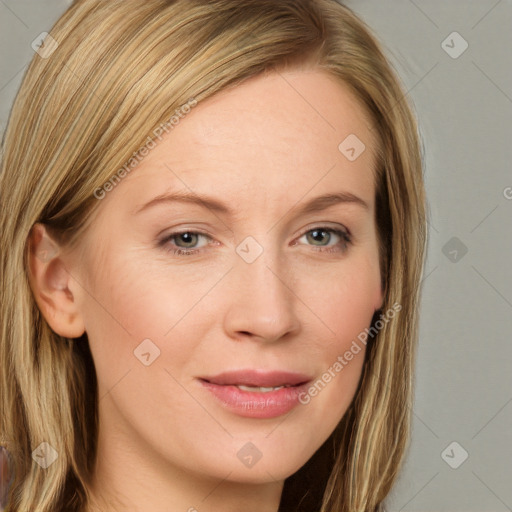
point(262, 303)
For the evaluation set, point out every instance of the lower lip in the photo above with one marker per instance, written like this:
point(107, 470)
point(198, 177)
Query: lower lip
point(254, 404)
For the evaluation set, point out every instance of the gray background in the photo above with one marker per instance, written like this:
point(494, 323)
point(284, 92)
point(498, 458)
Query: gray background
point(464, 104)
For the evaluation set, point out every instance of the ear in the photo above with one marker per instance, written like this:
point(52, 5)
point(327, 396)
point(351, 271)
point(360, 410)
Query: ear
point(50, 283)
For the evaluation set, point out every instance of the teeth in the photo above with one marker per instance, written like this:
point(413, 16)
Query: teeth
point(259, 389)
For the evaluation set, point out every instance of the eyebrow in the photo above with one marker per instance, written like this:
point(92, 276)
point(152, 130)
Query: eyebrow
point(317, 204)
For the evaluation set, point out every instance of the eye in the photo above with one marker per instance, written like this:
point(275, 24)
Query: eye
point(189, 240)
point(320, 233)
point(185, 243)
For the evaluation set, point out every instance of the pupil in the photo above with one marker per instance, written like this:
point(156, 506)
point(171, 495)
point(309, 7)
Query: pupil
point(316, 232)
point(186, 235)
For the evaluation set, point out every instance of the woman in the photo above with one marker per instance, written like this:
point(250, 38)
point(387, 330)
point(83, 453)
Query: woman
point(256, 368)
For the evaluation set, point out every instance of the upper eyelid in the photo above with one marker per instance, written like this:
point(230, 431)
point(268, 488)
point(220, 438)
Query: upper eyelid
point(315, 225)
point(343, 231)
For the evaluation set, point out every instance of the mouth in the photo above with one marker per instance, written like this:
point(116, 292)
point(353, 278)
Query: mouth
point(257, 393)
point(261, 389)
point(258, 379)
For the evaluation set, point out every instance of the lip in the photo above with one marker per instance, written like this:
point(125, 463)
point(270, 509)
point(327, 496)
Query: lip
point(257, 404)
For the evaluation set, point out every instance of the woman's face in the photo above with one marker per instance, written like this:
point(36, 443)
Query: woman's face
point(261, 282)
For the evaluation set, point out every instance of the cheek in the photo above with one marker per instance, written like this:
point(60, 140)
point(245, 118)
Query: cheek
point(346, 299)
point(120, 311)
point(346, 308)
point(150, 297)
point(128, 303)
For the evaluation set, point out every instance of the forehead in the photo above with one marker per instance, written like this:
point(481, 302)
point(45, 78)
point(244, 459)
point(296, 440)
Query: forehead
point(280, 133)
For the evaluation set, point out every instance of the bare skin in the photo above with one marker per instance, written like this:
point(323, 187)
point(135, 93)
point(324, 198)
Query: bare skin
point(264, 149)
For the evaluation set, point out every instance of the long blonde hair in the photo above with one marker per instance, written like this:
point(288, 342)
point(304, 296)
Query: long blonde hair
point(118, 70)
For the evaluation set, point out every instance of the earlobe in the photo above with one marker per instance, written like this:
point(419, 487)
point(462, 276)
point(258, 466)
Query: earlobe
point(49, 280)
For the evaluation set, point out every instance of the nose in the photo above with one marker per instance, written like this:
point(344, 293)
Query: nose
point(263, 304)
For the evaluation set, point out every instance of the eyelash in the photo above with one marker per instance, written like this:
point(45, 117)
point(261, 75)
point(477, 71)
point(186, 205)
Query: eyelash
point(345, 239)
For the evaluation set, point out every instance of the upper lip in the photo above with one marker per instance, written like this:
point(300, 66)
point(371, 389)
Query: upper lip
point(258, 378)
